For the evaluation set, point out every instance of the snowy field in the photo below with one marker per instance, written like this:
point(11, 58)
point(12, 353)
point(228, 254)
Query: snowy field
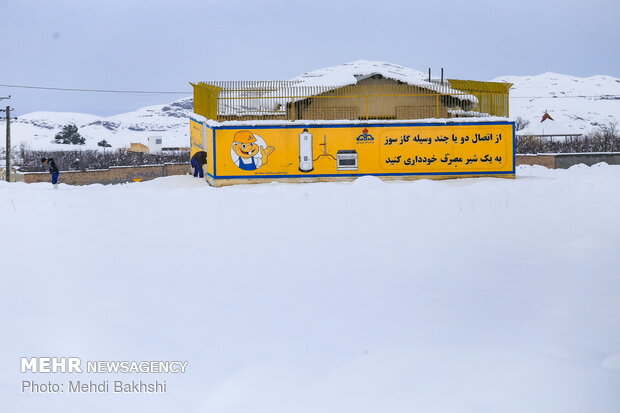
point(473, 295)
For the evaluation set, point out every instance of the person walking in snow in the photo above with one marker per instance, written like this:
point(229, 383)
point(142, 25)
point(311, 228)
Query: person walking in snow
point(49, 162)
point(198, 160)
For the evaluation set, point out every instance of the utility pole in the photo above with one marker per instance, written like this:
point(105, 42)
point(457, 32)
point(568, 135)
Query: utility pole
point(8, 143)
point(8, 140)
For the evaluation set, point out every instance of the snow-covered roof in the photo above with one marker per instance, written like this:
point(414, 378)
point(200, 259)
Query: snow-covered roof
point(260, 98)
point(351, 73)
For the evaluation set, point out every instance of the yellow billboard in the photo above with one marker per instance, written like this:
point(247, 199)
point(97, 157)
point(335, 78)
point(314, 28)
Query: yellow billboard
point(319, 150)
point(202, 140)
point(196, 137)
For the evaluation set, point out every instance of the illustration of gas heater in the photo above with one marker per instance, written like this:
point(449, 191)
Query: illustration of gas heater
point(305, 151)
point(347, 160)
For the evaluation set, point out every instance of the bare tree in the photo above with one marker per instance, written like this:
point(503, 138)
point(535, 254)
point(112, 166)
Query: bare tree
point(521, 123)
point(80, 160)
point(605, 138)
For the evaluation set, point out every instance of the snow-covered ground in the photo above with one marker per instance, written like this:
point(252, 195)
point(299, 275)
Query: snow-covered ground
point(576, 104)
point(472, 295)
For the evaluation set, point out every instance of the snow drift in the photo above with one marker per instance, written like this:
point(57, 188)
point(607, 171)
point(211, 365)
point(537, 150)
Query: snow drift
point(472, 295)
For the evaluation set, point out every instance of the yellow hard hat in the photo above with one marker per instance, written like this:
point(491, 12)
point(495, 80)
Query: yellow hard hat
point(244, 136)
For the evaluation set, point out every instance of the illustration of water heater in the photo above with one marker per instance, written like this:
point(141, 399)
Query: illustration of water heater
point(305, 151)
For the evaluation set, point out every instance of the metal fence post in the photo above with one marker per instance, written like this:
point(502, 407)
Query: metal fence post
point(293, 109)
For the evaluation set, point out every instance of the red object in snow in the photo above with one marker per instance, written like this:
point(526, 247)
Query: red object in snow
point(545, 117)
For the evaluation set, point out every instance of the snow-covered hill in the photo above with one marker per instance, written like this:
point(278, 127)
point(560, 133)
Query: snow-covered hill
point(169, 121)
point(576, 104)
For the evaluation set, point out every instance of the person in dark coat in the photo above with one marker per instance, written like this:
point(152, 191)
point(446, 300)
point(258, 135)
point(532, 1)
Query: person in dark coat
point(49, 162)
point(198, 160)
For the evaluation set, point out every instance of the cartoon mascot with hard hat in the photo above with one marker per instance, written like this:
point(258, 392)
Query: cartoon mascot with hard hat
point(249, 151)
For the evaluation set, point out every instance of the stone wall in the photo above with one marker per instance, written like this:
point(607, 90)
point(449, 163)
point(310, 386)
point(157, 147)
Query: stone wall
point(114, 175)
point(566, 160)
point(547, 161)
point(121, 174)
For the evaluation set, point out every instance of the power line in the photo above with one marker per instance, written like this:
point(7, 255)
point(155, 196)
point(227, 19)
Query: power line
point(97, 90)
point(610, 97)
point(189, 92)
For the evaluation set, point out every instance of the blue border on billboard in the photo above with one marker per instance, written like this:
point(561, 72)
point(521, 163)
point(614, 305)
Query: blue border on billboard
point(365, 125)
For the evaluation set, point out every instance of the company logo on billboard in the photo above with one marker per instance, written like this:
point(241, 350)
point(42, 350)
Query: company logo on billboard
point(365, 137)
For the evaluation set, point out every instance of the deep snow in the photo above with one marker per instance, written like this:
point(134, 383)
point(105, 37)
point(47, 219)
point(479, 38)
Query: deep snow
point(472, 295)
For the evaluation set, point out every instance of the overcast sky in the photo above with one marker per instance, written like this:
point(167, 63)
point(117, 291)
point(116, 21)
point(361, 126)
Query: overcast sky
point(163, 45)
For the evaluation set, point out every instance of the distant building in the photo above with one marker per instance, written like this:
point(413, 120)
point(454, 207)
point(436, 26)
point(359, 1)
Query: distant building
point(138, 147)
point(155, 145)
point(548, 129)
point(175, 149)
